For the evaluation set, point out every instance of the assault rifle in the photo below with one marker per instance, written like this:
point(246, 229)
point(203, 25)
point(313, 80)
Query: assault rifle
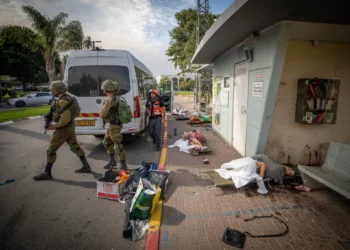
point(48, 118)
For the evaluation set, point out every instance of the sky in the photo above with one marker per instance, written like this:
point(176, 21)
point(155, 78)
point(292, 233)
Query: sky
point(140, 26)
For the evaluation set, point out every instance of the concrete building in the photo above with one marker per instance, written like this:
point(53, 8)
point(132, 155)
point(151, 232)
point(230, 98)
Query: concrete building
point(261, 51)
point(176, 79)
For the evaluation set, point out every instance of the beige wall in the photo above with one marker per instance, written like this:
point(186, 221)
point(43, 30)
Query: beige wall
point(303, 60)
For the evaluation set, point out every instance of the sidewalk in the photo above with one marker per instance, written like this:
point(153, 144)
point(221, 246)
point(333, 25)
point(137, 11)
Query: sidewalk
point(195, 214)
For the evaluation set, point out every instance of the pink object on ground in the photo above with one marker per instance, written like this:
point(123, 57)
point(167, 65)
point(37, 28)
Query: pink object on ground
point(302, 188)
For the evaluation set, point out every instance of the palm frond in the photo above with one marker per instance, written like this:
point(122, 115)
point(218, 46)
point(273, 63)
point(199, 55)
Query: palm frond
point(87, 43)
point(72, 37)
point(39, 21)
point(58, 20)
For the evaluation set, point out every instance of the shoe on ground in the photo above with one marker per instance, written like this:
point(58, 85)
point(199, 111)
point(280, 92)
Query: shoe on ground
point(110, 164)
point(42, 177)
point(83, 170)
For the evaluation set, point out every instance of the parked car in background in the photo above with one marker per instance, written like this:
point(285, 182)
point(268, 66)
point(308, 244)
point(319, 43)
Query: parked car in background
point(18, 88)
point(32, 99)
point(32, 88)
point(43, 88)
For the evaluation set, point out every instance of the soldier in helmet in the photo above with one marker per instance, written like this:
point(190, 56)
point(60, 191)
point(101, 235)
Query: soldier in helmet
point(113, 138)
point(64, 131)
point(156, 112)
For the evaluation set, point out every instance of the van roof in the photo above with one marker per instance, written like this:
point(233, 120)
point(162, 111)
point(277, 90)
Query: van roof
point(109, 53)
point(83, 53)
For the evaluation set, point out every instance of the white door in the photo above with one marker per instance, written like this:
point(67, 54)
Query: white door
point(240, 108)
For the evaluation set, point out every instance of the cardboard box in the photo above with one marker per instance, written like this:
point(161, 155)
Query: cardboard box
point(109, 190)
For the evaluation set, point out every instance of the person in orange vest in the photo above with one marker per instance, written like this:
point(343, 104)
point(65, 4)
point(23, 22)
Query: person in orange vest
point(156, 112)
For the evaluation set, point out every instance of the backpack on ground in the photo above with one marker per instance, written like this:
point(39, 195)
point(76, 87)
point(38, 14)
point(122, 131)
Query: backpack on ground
point(124, 112)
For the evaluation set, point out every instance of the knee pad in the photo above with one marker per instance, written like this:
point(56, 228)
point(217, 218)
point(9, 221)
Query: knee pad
point(116, 149)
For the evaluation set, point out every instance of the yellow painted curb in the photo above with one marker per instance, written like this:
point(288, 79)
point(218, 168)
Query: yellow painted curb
point(156, 218)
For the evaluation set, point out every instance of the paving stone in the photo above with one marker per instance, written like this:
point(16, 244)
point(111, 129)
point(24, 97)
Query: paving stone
point(197, 214)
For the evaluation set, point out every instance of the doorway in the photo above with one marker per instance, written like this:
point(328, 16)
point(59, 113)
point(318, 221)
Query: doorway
point(240, 107)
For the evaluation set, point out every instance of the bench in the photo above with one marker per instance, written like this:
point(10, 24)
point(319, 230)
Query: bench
point(334, 173)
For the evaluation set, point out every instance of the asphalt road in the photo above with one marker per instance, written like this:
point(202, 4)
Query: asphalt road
point(63, 213)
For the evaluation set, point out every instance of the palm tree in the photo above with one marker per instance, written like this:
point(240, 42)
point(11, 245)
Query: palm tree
point(49, 30)
point(64, 60)
point(72, 37)
point(87, 43)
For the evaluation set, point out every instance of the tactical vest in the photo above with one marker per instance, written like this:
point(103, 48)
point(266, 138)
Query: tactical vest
point(72, 107)
point(154, 109)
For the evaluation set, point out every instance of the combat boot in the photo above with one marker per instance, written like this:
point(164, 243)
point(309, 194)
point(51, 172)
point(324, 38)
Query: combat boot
point(111, 164)
point(123, 165)
point(46, 175)
point(85, 168)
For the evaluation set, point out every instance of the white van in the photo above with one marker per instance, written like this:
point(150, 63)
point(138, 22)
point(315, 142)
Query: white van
point(87, 69)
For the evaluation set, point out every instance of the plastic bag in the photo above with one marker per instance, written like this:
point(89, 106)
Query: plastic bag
point(142, 202)
point(139, 228)
point(160, 179)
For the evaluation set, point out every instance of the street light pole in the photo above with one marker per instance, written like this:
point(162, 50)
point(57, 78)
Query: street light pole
point(93, 44)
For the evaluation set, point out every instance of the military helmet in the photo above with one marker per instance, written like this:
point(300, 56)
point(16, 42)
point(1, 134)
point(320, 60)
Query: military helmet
point(110, 86)
point(58, 86)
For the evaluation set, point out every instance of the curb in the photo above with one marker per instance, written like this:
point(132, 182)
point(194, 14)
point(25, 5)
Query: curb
point(20, 120)
point(153, 235)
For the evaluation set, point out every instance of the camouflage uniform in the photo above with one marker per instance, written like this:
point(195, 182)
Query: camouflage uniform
point(64, 132)
point(113, 138)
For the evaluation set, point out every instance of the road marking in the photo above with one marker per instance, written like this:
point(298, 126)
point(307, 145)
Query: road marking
point(153, 234)
point(162, 160)
point(34, 117)
point(6, 123)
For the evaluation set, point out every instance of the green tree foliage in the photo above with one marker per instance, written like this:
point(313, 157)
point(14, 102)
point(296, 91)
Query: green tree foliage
point(190, 85)
point(21, 54)
point(183, 39)
point(54, 36)
point(87, 43)
point(72, 37)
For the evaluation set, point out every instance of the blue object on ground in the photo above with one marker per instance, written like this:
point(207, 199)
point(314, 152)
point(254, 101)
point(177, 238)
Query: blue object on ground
point(6, 182)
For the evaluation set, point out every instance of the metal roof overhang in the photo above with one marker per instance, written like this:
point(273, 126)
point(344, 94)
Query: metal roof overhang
point(246, 16)
point(208, 68)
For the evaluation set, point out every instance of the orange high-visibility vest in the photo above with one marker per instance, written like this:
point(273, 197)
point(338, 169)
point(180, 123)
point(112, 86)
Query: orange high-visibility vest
point(154, 108)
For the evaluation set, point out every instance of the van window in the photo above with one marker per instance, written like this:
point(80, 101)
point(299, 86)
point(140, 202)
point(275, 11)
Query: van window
point(86, 81)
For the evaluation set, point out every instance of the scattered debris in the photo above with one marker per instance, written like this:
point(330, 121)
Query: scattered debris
point(205, 161)
point(7, 182)
point(302, 188)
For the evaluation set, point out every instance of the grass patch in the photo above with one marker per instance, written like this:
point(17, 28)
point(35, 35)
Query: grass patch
point(184, 92)
point(19, 113)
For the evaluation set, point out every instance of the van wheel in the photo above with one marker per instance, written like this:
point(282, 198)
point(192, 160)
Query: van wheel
point(50, 102)
point(20, 104)
point(99, 136)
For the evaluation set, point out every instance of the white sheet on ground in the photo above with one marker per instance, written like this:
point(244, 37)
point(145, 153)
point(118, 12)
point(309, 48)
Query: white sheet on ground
point(183, 145)
point(242, 171)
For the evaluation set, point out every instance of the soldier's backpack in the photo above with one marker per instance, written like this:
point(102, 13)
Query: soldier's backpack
point(124, 112)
